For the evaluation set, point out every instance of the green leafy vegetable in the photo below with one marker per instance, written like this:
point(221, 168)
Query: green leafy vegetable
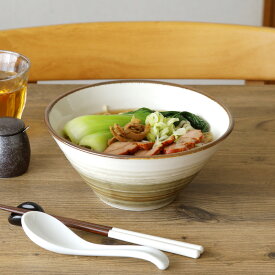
point(174, 114)
point(97, 141)
point(141, 113)
point(82, 126)
point(196, 121)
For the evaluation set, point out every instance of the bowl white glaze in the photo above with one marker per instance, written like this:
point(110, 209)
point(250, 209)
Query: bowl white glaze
point(128, 182)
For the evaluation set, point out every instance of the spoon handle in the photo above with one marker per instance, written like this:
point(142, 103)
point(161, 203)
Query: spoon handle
point(150, 254)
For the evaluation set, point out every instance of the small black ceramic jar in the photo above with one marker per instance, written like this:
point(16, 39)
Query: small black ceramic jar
point(14, 147)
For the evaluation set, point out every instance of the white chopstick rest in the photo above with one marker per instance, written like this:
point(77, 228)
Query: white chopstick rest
point(177, 247)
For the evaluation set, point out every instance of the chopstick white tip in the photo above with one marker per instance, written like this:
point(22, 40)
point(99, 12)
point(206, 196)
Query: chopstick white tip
point(176, 247)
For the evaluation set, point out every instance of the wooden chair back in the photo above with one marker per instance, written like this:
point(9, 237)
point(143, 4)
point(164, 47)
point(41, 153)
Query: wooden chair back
point(145, 50)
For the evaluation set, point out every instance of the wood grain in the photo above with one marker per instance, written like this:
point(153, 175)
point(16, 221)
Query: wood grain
point(147, 50)
point(228, 208)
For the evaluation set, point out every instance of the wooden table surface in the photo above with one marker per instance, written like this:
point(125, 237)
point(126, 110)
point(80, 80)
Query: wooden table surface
point(229, 208)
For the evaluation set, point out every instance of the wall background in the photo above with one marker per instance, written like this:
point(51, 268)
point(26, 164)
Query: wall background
point(18, 13)
point(28, 13)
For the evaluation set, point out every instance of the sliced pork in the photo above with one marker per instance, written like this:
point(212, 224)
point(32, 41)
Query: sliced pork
point(196, 135)
point(178, 147)
point(168, 141)
point(122, 148)
point(146, 148)
point(146, 153)
point(156, 149)
point(185, 142)
point(145, 145)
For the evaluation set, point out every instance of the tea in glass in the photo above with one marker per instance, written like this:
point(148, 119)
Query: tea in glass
point(14, 70)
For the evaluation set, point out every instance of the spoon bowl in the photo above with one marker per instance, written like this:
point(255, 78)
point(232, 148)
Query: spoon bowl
point(51, 234)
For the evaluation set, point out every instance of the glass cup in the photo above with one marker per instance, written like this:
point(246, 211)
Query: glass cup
point(14, 69)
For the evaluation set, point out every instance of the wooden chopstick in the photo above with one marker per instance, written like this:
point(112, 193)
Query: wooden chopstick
point(73, 223)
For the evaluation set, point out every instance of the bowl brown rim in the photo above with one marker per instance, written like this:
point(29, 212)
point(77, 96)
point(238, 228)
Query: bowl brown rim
point(86, 150)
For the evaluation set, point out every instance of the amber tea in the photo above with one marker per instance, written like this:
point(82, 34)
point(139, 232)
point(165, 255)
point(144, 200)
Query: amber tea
point(12, 102)
point(13, 84)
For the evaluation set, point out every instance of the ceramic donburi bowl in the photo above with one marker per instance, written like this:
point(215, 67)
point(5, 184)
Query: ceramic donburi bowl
point(129, 182)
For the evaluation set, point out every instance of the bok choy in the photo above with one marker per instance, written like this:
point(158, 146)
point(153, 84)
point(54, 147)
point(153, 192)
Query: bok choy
point(82, 126)
point(97, 141)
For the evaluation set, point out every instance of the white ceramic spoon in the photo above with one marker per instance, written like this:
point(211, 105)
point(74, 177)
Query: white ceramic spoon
point(51, 234)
